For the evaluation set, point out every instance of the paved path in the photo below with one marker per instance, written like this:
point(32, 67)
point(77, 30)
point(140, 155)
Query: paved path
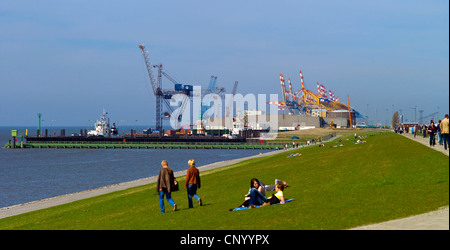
point(426, 141)
point(436, 220)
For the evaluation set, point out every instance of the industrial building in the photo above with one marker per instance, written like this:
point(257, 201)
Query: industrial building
point(292, 122)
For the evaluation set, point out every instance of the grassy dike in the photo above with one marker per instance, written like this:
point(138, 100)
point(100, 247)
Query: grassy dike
point(386, 178)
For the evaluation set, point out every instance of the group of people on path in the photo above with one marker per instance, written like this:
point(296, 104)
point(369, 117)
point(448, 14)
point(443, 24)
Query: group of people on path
point(167, 183)
point(441, 130)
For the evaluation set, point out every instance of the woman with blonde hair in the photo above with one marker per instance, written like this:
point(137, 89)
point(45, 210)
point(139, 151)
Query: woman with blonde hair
point(192, 183)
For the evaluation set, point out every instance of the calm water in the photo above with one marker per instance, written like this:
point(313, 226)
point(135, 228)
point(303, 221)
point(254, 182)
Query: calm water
point(34, 174)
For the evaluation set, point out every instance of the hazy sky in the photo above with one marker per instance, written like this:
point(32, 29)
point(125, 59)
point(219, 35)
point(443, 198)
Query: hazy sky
point(70, 59)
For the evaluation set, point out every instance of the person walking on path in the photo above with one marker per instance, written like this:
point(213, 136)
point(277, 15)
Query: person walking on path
point(444, 131)
point(192, 183)
point(164, 185)
point(432, 133)
point(438, 126)
point(424, 130)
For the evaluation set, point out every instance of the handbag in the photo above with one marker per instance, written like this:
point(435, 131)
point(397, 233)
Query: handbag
point(175, 186)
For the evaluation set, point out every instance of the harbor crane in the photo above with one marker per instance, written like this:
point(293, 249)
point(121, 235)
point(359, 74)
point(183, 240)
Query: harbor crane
point(421, 117)
point(209, 90)
point(289, 101)
point(230, 102)
point(163, 96)
point(304, 101)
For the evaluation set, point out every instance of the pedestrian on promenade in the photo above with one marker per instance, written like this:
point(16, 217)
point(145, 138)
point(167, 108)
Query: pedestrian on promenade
point(444, 131)
point(164, 186)
point(424, 130)
point(438, 126)
point(192, 183)
point(432, 133)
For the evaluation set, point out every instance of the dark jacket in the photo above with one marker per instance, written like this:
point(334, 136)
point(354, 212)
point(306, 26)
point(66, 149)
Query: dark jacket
point(165, 180)
point(432, 130)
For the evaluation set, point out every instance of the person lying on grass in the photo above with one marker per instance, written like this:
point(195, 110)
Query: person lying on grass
point(272, 187)
point(278, 197)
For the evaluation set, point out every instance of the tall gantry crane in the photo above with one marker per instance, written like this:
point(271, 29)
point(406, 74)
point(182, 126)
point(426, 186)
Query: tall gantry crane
point(209, 90)
point(229, 104)
point(304, 101)
point(289, 101)
point(163, 96)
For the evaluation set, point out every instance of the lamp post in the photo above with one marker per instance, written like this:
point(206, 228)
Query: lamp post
point(39, 125)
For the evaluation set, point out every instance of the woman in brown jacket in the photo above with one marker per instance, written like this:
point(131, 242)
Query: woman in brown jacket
point(192, 183)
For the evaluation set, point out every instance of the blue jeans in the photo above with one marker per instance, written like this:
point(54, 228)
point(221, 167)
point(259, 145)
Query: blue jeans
point(256, 198)
point(432, 140)
point(192, 192)
point(445, 138)
point(168, 198)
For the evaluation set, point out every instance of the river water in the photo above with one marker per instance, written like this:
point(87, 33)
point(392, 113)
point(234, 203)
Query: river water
point(33, 174)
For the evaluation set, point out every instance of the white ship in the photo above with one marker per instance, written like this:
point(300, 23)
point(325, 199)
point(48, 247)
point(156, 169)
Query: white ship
point(102, 127)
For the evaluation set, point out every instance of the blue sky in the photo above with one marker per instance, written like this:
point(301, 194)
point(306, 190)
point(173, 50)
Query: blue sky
point(70, 59)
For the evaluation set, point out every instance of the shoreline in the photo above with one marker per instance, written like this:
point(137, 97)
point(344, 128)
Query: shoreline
point(71, 197)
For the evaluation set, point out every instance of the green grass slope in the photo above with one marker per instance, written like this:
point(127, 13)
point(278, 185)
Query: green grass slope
point(387, 177)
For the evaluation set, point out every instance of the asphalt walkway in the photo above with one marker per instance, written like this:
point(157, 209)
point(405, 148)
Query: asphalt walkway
point(436, 220)
point(426, 141)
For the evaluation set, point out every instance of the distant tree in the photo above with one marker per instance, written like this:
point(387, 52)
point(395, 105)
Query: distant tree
point(395, 119)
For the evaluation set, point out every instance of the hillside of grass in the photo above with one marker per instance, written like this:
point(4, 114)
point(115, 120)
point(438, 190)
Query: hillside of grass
point(386, 178)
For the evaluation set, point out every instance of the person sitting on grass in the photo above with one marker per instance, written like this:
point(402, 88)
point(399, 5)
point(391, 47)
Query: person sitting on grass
point(277, 197)
point(256, 194)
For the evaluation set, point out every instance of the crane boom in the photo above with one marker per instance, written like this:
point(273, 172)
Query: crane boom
point(291, 94)
point(149, 67)
point(234, 88)
point(283, 88)
point(170, 78)
point(301, 79)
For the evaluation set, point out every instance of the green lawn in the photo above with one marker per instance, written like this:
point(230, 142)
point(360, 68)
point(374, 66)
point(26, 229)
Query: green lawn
point(387, 177)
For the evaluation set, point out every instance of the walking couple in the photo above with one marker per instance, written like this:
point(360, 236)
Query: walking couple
point(167, 183)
